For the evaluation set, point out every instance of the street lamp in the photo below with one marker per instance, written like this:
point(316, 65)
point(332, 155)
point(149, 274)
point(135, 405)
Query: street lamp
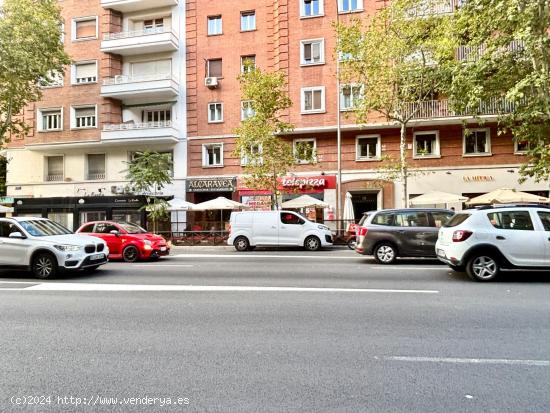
point(338, 128)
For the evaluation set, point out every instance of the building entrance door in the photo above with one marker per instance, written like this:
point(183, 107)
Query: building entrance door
point(364, 202)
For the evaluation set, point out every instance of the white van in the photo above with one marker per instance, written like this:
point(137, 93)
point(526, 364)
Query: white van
point(276, 228)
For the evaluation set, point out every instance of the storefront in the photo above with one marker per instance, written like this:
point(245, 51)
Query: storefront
point(74, 211)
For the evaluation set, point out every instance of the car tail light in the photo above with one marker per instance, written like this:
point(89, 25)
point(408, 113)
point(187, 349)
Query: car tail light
point(461, 235)
point(362, 231)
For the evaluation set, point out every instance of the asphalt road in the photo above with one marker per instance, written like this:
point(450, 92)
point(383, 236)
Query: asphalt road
point(275, 331)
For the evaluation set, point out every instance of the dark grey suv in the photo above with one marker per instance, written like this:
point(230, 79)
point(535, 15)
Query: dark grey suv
point(392, 233)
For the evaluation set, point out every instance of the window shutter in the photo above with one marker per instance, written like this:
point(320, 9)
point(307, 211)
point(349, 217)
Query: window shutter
point(96, 164)
point(316, 51)
point(55, 165)
point(316, 99)
point(85, 28)
point(86, 70)
point(84, 112)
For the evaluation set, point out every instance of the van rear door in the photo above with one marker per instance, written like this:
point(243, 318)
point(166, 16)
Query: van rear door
point(266, 228)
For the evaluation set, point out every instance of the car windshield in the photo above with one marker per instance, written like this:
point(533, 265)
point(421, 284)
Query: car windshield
point(44, 228)
point(456, 220)
point(132, 228)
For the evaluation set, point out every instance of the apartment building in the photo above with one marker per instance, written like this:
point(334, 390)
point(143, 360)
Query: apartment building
point(298, 38)
point(123, 93)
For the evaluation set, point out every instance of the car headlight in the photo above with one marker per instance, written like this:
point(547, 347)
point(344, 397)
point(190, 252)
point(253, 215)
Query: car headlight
point(147, 242)
point(67, 248)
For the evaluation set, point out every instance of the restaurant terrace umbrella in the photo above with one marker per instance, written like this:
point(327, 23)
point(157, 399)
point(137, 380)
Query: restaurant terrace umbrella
point(349, 213)
point(178, 204)
point(437, 197)
point(304, 201)
point(507, 196)
point(220, 203)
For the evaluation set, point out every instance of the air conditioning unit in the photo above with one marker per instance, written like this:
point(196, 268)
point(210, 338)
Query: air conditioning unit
point(117, 189)
point(211, 82)
point(120, 79)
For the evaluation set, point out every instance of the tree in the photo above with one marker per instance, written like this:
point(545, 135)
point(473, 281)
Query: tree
point(31, 51)
point(267, 156)
point(506, 55)
point(400, 60)
point(148, 172)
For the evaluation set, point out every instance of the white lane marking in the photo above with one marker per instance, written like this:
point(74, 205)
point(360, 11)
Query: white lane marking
point(512, 362)
point(207, 288)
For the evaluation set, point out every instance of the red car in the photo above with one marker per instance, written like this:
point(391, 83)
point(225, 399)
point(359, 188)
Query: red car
point(127, 241)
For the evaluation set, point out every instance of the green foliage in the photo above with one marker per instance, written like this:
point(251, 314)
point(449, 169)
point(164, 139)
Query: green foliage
point(400, 61)
point(148, 173)
point(509, 57)
point(267, 155)
point(30, 50)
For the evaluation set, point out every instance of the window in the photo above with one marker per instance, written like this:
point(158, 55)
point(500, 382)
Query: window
point(521, 147)
point(153, 26)
point(457, 219)
point(248, 63)
point(311, 8)
point(85, 28)
point(7, 228)
point(291, 219)
point(312, 52)
point(105, 228)
point(426, 144)
point(440, 218)
point(368, 148)
point(54, 168)
point(212, 154)
point(313, 99)
point(53, 79)
point(84, 117)
point(96, 167)
point(477, 142)
point(515, 220)
point(248, 21)
point(255, 151)
point(214, 68)
point(153, 69)
point(214, 25)
point(305, 150)
point(215, 112)
point(50, 120)
point(411, 219)
point(85, 72)
point(247, 110)
point(383, 218)
point(349, 96)
point(157, 115)
point(345, 6)
point(88, 216)
point(545, 218)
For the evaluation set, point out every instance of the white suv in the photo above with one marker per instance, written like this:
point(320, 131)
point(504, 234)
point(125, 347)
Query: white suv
point(483, 241)
point(46, 247)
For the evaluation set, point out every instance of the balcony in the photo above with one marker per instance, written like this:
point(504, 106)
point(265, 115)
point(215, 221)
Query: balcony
point(433, 109)
point(126, 6)
point(156, 86)
point(436, 8)
point(124, 133)
point(96, 177)
point(140, 42)
point(54, 178)
point(473, 53)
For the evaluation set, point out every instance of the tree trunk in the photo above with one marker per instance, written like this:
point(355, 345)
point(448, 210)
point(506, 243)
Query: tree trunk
point(403, 173)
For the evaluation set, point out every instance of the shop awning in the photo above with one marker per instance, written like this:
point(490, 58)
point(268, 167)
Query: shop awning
point(507, 196)
point(5, 209)
point(437, 197)
point(304, 201)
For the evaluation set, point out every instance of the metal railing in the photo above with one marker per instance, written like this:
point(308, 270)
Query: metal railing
point(54, 178)
point(126, 79)
point(137, 33)
point(96, 177)
point(443, 109)
point(435, 7)
point(140, 125)
point(473, 53)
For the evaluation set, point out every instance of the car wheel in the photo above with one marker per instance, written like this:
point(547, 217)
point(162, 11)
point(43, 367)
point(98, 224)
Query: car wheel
point(241, 244)
point(385, 253)
point(130, 254)
point(352, 243)
point(483, 267)
point(44, 266)
point(312, 243)
point(457, 268)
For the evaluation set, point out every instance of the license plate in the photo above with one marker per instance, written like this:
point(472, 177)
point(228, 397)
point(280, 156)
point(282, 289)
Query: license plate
point(163, 249)
point(441, 253)
point(96, 257)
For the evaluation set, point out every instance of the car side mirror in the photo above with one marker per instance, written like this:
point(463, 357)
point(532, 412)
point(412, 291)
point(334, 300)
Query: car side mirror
point(16, 235)
point(114, 232)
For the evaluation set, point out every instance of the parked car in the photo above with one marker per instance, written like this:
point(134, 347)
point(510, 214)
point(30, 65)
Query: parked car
point(391, 233)
point(277, 229)
point(127, 241)
point(47, 248)
point(484, 241)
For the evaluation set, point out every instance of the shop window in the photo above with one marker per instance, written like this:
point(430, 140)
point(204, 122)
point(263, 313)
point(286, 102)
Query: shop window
point(83, 117)
point(85, 28)
point(214, 25)
point(212, 154)
point(133, 217)
point(54, 168)
point(90, 216)
point(248, 21)
point(247, 109)
point(63, 218)
point(248, 63)
point(477, 142)
point(215, 112)
point(368, 148)
point(346, 6)
point(96, 167)
point(311, 8)
point(84, 72)
point(312, 52)
point(305, 150)
point(426, 144)
point(350, 96)
point(313, 99)
point(214, 68)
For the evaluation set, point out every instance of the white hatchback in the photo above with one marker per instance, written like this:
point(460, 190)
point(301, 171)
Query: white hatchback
point(46, 247)
point(483, 241)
